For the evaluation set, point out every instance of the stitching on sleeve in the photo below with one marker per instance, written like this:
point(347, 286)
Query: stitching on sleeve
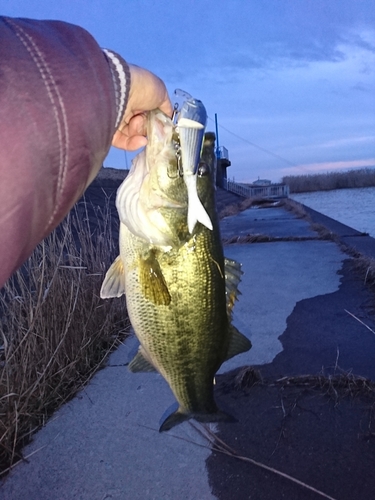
point(57, 106)
point(120, 74)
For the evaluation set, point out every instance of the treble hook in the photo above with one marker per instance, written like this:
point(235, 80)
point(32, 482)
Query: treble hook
point(175, 113)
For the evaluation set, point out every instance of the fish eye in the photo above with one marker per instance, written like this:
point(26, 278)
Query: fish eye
point(203, 169)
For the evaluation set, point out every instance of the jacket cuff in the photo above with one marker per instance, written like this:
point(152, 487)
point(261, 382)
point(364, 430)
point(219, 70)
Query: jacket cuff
point(121, 81)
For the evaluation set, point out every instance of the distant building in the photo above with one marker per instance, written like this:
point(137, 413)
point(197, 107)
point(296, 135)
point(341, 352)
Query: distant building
point(261, 182)
point(222, 162)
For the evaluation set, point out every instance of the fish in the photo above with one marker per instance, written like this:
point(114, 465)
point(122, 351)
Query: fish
point(180, 290)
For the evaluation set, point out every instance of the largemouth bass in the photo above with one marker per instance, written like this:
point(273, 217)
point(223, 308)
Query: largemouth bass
point(179, 289)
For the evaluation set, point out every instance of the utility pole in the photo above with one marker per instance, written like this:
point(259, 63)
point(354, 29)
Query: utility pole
point(217, 138)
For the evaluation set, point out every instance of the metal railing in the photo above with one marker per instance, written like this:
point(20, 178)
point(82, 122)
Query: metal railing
point(271, 191)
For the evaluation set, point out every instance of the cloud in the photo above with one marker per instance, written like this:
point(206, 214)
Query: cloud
point(363, 40)
point(361, 87)
point(346, 142)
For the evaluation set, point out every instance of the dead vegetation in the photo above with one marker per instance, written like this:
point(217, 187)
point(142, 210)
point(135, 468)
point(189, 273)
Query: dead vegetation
point(265, 238)
point(337, 385)
point(55, 331)
point(363, 177)
point(247, 377)
point(240, 206)
point(295, 207)
point(366, 268)
point(249, 238)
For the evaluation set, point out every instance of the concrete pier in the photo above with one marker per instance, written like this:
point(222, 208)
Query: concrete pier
point(297, 293)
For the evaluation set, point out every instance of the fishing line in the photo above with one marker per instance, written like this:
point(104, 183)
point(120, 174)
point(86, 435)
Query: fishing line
point(267, 151)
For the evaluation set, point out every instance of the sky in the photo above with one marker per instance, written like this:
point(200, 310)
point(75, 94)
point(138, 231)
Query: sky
point(292, 81)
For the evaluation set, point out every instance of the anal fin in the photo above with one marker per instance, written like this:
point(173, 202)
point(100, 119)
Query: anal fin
point(140, 364)
point(238, 343)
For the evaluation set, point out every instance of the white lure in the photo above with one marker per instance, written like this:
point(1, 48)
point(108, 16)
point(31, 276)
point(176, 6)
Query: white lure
point(191, 125)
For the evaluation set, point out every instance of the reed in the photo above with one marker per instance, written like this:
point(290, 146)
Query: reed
point(364, 177)
point(55, 330)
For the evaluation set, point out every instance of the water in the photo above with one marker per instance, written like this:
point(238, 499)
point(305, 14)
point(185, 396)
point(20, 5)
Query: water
point(353, 207)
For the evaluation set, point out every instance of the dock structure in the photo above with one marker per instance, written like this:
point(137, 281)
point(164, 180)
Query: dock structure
point(223, 162)
point(255, 190)
point(261, 188)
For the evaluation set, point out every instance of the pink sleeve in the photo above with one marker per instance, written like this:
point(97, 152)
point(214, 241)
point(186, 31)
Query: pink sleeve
point(60, 100)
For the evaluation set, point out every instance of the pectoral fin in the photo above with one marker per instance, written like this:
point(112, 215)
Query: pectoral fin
point(152, 281)
point(140, 364)
point(114, 281)
point(238, 343)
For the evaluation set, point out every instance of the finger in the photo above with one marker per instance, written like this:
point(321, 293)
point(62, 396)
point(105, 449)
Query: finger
point(166, 107)
point(123, 141)
point(137, 125)
point(129, 136)
point(136, 142)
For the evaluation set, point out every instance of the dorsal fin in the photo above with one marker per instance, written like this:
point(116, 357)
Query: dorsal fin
point(233, 274)
point(238, 343)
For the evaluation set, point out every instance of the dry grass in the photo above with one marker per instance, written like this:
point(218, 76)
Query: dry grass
point(364, 177)
point(337, 385)
point(55, 330)
point(247, 377)
point(265, 238)
point(250, 238)
point(288, 204)
point(366, 267)
point(295, 207)
point(340, 385)
point(240, 206)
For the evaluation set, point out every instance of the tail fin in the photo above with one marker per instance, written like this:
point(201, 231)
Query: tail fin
point(178, 417)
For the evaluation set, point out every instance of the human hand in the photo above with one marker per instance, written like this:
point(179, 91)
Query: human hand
point(147, 92)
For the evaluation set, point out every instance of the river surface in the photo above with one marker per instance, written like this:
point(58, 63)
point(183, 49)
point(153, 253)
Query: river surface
point(353, 207)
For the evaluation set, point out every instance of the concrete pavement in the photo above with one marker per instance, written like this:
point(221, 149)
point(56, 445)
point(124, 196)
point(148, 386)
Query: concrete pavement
point(104, 445)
